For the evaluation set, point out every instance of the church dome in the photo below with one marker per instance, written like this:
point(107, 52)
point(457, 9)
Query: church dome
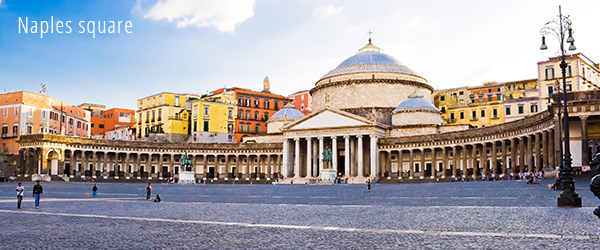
point(416, 102)
point(287, 113)
point(370, 58)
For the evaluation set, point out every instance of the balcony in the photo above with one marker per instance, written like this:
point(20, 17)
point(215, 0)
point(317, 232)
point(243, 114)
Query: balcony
point(452, 120)
point(474, 119)
point(10, 135)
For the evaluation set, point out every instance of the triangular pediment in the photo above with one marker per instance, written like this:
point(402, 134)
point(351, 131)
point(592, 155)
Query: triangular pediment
point(329, 118)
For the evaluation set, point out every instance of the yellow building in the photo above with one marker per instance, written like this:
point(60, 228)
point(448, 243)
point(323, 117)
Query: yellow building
point(478, 106)
point(163, 116)
point(213, 118)
point(522, 99)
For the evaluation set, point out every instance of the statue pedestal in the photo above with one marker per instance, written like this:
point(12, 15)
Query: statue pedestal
point(328, 174)
point(186, 177)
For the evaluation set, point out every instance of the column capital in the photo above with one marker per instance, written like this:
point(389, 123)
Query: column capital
point(359, 136)
point(583, 117)
point(296, 139)
point(320, 138)
point(334, 137)
point(308, 138)
point(346, 137)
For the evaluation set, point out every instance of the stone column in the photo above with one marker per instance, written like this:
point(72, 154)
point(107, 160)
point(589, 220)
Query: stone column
point(334, 157)
point(585, 147)
point(268, 171)
point(474, 160)
point(297, 158)
point(308, 157)
point(374, 156)
point(205, 166)
point(411, 165)
point(400, 163)
point(126, 170)
point(422, 163)
point(321, 149)
point(513, 155)
point(105, 166)
point(504, 157)
point(465, 166)
point(494, 160)
point(454, 161)
point(237, 167)
point(484, 160)
point(315, 160)
point(521, 154)
point(551, 150)
point(545, 148)
point(388, 164)
point(528, 151)
point(84, 166)
point(347, 155)
point(286, 158)
point(360, 156)
point(444, 162)
point(538, 153)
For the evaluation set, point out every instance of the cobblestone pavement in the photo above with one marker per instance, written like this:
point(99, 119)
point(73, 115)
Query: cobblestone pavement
point(473, 215)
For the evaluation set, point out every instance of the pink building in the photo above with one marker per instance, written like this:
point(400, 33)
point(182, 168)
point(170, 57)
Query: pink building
point(302, 101)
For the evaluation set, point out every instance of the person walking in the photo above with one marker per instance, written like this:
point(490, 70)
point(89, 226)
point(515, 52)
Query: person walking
point(20, 190)
point(37, 193)
point(369, 185)
point(148, 192)
point(94, 190)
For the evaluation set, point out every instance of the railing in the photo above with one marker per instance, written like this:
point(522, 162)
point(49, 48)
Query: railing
point(10, 135)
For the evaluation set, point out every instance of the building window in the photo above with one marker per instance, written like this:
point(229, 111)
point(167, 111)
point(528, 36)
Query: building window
point(520, 109)
point(242, 127)
point(461, 93)
point(5, 112)
point(159, 114)
point(550, 90)
point(474, 114)
point(247, 114)
point(248, 102)
point(442, 98)
point(276, 105)
point(230, 128)
point(240, 114)
point(569, 71)
point(248, 128)
point(507, 111)
point(483, 113)
point(206, 109)
point(153, 101)
point(17, 113)
point(569, 87)
point(266, 104)
point(452, 116)
point(302, 98)
point(230, 113)
point(489, 98)
point(15, 130)
point(462, 115)
point(499, 97)
point(443, 109)
point(302, 106)
point(534, 108)
point(257, 129)
point(549, 73)
point(195, 126)
point(100, 125)
point(255, 115)
point(195, 111)
point(205, 125)
point(495, 112)
point(140, 105)
point(29, 129)
point(177, 101)
point(256, 102)
point(240, 101)
point(153, 115)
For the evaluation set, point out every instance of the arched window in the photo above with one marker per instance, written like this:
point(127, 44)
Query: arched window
point(255, 115)
point(257, 128)
point(242, 127)
point(247, 114)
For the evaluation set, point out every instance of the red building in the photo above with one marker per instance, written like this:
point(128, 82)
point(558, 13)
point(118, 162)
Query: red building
point(302, 101)
point(254, 109)
point(103, 121)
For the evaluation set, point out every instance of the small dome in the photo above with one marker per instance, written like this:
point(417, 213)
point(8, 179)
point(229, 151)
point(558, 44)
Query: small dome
point(370, 58)
point(288, 112)
point(415, 102)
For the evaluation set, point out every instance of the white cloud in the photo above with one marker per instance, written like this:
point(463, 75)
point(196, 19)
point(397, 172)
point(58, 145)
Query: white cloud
point(221, 14)
point(2, 4)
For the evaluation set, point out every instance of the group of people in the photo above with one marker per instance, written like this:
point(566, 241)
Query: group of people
point(38, 190)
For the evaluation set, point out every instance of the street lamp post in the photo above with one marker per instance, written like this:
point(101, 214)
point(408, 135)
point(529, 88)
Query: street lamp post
point(560, 28)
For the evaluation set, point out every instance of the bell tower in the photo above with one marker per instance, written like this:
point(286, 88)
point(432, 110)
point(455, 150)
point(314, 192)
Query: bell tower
point(266, 85)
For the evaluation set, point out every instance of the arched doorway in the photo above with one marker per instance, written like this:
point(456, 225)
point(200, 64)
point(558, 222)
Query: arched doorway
point(53, 158)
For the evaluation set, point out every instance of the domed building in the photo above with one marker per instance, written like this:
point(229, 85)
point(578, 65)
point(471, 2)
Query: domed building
point(416, 111)
point(356, 85)
point(284, 116)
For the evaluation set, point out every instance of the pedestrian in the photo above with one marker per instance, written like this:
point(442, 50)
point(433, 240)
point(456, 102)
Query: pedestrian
point(20, 190)
point(148, 191)
point(157, 198)
point(369, 185)
point(37, 193)
point(94, 190)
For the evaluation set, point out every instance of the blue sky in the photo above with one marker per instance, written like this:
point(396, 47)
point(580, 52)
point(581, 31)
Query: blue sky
point(197, 46)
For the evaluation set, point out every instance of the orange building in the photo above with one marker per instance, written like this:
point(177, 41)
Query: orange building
point(254, 109)
point(111, 119)
point(302, 101)
point(25, 113)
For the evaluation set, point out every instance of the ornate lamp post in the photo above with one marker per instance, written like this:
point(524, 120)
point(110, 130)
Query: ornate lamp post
point(561, 28)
